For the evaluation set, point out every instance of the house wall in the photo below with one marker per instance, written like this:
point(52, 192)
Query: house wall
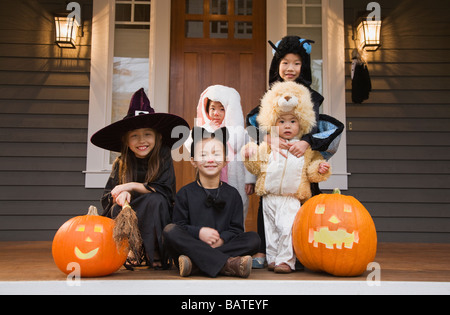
point(44, 94)
point(399, 145)
point(398, 148)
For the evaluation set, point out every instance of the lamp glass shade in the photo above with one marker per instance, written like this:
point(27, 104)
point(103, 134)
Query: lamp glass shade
point(369, 34)
point(66, 31)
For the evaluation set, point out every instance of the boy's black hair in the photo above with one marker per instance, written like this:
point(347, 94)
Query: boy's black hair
point(199, 134)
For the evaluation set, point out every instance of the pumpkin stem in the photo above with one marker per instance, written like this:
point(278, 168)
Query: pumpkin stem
point(93, 211)
point(336, 191)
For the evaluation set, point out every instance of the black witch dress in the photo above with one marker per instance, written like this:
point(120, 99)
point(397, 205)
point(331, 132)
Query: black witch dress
point(153, 209)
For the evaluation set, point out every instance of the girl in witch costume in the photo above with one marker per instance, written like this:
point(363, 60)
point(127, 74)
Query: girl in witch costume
point(208, 231)
point(292, 62)
point(142, 176)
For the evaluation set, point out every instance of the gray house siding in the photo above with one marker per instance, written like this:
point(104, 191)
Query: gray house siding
point(44, 100)
point(398, 148)
point(399, 142)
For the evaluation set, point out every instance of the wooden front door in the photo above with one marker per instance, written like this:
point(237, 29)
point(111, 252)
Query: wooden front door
point(216, 42)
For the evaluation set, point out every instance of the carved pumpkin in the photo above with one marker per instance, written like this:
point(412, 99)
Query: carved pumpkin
point(88, 241)
point(335, 234)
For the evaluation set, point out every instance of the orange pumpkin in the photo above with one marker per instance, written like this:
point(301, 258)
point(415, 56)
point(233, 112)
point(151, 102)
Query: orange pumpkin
point(88, 241)
point(335, 234)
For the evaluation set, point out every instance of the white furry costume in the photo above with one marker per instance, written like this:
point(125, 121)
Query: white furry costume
point(283, 182)
point(235, 173)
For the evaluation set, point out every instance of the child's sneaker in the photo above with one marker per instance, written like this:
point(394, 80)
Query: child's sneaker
point(238, 267)
point(283, 268)
point(185, 266)
point(259, 263)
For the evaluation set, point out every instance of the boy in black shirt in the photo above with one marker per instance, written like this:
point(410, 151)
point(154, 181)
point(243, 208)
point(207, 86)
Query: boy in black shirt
point(208, 229)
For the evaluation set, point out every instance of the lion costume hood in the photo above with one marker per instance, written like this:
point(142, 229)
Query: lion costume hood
point(287, 97)
point(278, 175)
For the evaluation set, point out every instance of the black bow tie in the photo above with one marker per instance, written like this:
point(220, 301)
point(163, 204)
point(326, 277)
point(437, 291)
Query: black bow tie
point(213, 202)
point(216, 204)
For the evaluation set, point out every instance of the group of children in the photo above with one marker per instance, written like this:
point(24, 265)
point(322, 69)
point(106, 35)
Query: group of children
point(201, 227)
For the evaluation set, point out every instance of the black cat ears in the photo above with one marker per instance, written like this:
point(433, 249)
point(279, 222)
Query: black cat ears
point(303, 43)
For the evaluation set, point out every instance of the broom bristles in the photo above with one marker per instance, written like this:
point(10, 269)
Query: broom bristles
point(126, 229)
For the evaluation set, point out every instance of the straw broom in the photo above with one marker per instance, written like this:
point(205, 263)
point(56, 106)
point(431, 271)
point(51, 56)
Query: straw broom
point(126, 228)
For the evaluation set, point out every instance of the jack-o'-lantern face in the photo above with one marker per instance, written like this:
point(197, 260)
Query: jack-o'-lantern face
point(335, 234)
point(88, 240)
point(98, 228)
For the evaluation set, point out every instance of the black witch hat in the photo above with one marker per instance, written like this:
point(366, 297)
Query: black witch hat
point(140, 115)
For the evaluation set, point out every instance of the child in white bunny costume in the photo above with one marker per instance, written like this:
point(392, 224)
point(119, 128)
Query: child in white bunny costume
point(283, 180)
point(220, 106)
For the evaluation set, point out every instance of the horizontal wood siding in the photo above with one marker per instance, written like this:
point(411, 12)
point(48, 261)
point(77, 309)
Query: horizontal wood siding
point(398, 148)
point(399, 144)
point(44, 102)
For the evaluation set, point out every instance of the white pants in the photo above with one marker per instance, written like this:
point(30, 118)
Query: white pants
point(279, 215)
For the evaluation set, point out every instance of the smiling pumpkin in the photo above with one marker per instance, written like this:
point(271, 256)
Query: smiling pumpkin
point(88, 240)
point(98, 228)
point(335, 234)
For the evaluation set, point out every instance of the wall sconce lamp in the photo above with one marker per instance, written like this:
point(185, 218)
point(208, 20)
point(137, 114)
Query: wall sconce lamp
point(67, 25)
point(368, 34)
point(367, 30)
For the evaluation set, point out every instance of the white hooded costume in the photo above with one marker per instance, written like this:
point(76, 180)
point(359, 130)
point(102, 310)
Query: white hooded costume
point(235, 173)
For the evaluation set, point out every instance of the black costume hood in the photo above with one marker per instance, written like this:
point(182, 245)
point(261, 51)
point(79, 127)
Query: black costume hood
point(291, 45)
point(301, 47)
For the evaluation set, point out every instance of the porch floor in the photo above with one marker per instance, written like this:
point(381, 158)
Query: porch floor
point(28, 267)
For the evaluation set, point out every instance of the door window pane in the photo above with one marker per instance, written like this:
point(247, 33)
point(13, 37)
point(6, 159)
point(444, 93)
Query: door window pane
point(194, 29)
point(194, 6)
point(219, 29)
point(243, 30)
point(219, 7)
point(243, 7)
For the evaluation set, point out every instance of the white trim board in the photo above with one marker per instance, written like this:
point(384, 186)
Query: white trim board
point(223, 287)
